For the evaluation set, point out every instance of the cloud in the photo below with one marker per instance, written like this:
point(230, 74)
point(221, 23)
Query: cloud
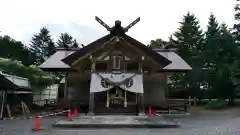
point(22, 18)
point(82, 33)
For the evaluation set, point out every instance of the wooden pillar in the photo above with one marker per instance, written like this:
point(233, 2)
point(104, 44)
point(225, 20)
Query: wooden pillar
point(166, 86)
point(125, 98)
point(91, 95)
point(66, 90)
point(140, 95)
point(141, 104)
point(3, 94)
point(136, 98)
point(91, 103)
point(107, 103)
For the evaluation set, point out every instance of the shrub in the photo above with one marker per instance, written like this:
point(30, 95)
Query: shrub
point(37, 78)
point(217, 104)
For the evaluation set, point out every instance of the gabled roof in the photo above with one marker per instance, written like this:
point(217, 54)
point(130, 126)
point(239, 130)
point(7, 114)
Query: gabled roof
point(159, 58)
point(6, 84)
point(55, 61)
point(127, 39)
point(178, 64)
point(21, 83)
point(71, 58)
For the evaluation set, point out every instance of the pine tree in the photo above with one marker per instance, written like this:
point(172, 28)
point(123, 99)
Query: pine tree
point(158, 43)
point(171, 43)
point(219, 57)
point(226, 58)
point(236, 26)
point(42, 45)
point(65, 40)
point(218, 54)
point(188, 40)
point(236, 36)
point(75, 44)
point(15, 50)
point(211, 43)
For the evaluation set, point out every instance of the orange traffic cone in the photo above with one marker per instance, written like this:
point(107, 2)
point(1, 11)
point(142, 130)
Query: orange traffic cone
point(37, 126)
point(75, 112)
point(150, 111)
point(69, 117)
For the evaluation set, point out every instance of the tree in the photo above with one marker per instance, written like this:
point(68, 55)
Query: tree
point(158, 43)
point(75, 44)
point(228, 55)
point(171, 43)
point(42, 45)
point(219, 54)
point(211, 43)
point(65, 40)
point(188, 40)
point(38, 79)
point(236, 36)
point(9, 48)
point(236, 26)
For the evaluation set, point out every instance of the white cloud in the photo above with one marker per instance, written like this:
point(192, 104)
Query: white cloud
point(159, 18)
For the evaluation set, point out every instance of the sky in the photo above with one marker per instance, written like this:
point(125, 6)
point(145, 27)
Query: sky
point(20, 19)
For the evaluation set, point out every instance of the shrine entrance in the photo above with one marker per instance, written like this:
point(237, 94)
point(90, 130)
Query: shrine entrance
point(116, 100)
point(116, 93)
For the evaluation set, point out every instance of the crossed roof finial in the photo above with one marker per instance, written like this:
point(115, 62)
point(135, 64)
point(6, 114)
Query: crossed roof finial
point(117, 28)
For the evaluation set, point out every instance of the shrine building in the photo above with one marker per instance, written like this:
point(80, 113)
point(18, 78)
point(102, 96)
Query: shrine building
point(116, 73)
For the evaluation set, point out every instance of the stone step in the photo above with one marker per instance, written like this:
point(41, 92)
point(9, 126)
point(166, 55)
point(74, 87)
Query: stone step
point(117, 121)
point(112, 126)
point(116, 113)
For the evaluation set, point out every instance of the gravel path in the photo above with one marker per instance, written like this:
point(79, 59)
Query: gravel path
point(199, 123)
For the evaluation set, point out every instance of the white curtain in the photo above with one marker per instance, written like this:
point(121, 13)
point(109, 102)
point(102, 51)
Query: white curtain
point(127, 81)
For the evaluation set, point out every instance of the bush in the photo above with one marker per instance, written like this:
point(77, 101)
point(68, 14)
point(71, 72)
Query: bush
point(38, 79)
point(217, 104)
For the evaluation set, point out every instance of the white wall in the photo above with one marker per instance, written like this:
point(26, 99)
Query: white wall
point(49, 93)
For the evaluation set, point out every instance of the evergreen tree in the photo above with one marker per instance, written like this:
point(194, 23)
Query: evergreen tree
point(236, 26)
point(158, 43)
point(65, 41)
point(188, 40)
point(171, 43)
point(236, 36)
point(15, 50)
point(75, 44)
point(209, 57)
point(42, 45)
point(219, 57)
point(211, 41)
point(227, 55)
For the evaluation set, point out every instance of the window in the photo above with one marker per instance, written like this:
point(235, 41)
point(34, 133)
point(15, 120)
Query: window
point(116, 62)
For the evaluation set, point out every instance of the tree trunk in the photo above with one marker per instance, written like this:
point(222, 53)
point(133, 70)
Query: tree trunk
point(231, 101)
point(195, 101)
point(200, 101)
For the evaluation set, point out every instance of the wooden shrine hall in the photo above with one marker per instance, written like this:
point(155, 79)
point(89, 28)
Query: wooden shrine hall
point(116, 73)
